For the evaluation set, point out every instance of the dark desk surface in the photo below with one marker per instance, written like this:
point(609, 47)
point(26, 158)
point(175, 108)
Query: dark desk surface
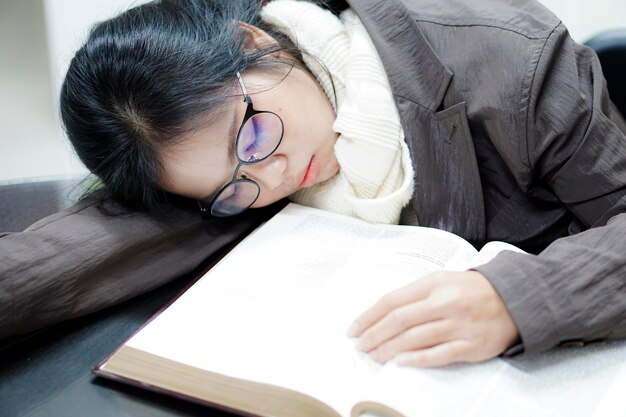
point(49, 373)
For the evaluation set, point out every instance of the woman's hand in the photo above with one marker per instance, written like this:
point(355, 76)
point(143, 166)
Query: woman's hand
point(443, 318)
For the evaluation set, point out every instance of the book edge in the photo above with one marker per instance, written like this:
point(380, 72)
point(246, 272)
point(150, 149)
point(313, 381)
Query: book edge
point(244, 397)
point(162, 391)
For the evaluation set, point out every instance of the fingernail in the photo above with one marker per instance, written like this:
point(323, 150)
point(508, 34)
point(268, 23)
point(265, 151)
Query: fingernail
point(353, 329)
point(360, 345)
point(403, 359)
point(375, 355)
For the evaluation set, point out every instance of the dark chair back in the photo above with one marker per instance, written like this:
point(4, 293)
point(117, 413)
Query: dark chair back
point(25, 202)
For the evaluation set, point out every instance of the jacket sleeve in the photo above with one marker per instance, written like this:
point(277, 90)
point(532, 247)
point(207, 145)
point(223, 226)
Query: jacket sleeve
point(81, 260)
point(574, 291)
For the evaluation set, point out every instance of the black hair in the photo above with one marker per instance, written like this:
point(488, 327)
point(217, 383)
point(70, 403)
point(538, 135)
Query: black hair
point(143, 77)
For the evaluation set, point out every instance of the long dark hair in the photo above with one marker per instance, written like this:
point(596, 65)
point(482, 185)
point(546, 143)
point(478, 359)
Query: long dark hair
point(143, 77)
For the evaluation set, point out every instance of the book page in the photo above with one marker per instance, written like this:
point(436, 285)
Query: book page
point(563, 382)
point(490, 250)
point(276, 309)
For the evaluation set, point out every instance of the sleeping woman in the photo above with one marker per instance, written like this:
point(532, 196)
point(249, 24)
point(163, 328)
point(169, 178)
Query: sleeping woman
point(482, 118)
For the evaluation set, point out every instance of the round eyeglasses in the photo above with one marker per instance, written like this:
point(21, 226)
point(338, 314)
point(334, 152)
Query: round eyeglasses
point(258, 138)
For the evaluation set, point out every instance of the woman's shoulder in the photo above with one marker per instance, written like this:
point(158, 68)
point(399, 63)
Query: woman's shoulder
point(528, 18)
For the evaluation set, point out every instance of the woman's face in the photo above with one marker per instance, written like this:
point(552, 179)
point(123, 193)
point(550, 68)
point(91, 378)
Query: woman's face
point(200, 164)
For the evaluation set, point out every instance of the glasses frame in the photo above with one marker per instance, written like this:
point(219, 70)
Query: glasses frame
point(207, 213)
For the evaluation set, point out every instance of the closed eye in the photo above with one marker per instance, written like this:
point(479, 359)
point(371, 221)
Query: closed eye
point(252, 140)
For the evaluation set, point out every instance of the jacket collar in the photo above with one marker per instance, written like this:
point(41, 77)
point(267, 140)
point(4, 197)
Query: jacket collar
point(414, 71)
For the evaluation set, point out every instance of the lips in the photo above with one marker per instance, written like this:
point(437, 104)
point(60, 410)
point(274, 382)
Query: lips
point(311, 174)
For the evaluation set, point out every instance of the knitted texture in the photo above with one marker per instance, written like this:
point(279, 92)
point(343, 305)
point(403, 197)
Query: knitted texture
point(375, 179)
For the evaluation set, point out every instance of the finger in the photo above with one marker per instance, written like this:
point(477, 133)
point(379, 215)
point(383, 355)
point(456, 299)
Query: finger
point(416, 338)
point(397, 322)
point(439, 355)
point(414, 291)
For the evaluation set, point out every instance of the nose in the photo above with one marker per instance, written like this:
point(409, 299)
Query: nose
point(269, 173)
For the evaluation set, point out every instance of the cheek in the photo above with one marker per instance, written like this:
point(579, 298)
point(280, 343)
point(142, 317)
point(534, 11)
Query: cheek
point(266, 198)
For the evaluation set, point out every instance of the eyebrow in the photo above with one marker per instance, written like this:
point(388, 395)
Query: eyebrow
point(232, 137)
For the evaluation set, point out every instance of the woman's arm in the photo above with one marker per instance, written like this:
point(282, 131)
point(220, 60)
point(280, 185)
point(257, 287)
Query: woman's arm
point(575, 290)
point(80, 260)
point(575, 144)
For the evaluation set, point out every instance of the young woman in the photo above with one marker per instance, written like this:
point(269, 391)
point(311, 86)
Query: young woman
point(484, 119)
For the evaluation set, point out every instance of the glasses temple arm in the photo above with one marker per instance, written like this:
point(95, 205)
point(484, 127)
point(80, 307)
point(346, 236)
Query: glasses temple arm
point(243, 87)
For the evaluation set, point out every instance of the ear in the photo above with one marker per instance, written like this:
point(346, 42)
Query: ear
point(255, 38)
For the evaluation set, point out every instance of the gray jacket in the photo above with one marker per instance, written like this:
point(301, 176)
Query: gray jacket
point(512, 136)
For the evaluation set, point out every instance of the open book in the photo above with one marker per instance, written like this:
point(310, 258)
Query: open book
point(264, 333)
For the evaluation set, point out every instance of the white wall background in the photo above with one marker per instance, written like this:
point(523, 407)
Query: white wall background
point(37, 41)
point(38, 38)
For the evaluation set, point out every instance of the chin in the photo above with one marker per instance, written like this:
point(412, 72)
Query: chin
point(329, 177)
point(334, 170)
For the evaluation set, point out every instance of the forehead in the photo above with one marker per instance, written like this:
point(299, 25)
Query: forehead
point(198, 161)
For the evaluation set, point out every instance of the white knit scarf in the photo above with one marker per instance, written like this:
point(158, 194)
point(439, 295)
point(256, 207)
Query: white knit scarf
point(375, 179)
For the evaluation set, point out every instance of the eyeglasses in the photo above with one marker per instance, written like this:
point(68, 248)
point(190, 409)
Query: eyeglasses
point(258, 138)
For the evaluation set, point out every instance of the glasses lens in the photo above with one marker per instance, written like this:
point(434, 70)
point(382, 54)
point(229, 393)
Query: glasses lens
point(259, 137)
point(235, 198)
